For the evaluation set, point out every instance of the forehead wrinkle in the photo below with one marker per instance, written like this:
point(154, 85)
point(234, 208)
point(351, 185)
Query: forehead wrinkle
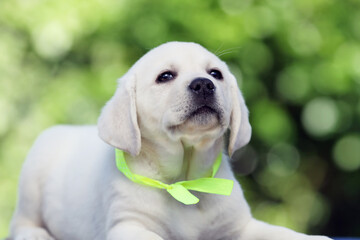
point(173, 67)
point(210, 65)
point(163, 69)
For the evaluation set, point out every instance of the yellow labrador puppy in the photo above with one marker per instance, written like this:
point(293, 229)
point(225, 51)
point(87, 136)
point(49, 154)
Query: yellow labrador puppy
point(169, 115)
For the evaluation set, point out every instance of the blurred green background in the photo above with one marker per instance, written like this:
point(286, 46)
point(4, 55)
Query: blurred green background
point(297, 62)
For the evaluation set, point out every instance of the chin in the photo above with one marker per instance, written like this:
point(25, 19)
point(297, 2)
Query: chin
point(198, 128)
point(199, 124)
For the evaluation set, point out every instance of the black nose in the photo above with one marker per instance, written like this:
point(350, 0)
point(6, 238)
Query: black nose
point(202, 87)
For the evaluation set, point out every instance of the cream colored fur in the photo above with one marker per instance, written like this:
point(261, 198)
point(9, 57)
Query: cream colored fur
point(70, 188)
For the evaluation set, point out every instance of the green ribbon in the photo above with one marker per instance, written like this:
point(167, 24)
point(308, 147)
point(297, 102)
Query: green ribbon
point(180, 190)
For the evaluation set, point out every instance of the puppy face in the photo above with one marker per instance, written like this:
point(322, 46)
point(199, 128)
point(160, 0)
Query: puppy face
point(178, 90)
point(185, 92)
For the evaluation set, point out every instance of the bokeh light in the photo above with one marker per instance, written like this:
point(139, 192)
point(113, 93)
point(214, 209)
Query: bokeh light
point(293, 84)
point(320, 117)
point(346, 152)
point(52, 40)
point(305, 39)
point(255, 57)
point(245, 161)
point(235, 7)
point(283, 159)
point(271, 122)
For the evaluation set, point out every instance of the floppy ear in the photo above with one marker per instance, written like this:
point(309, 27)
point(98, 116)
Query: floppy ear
point(240, 129)
point(117, 123)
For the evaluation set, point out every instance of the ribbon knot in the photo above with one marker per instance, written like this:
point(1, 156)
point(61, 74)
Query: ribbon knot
point(180, 190)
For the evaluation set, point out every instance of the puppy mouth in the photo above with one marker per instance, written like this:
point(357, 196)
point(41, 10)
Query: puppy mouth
point(199, 119)
point(203, 110)
point(204, 116)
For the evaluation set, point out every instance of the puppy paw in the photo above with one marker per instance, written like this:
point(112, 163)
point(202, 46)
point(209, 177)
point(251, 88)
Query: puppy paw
point(33, 234)
point(315, 238)
point(33, 237)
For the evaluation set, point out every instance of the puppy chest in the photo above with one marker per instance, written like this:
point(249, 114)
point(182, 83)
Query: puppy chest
point(191, 223)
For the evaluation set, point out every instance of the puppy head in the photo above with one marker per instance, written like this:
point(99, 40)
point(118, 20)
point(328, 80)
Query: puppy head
point(179, 91)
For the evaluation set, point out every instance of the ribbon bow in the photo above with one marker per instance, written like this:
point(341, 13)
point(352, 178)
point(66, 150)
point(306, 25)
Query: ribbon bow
point(180, 190)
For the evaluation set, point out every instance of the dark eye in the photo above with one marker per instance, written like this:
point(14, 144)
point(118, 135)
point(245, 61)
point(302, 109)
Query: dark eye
point(165, 77)
point(216, 74)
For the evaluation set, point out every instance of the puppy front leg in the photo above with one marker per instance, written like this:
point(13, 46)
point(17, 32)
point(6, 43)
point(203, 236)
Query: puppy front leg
point(257, 230)
point(131, 231)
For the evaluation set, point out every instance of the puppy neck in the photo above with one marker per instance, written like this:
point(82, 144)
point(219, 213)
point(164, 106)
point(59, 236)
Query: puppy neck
point(174, 161)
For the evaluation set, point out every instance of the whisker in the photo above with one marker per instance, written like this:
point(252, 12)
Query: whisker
point(227, 51)
point(218, 49)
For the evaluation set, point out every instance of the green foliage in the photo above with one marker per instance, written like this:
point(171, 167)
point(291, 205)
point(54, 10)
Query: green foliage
point(297, 62)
